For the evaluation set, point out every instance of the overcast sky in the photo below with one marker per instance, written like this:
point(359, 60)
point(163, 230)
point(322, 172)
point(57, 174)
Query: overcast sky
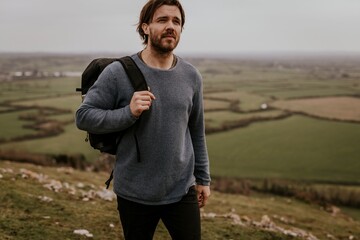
point(212, 26)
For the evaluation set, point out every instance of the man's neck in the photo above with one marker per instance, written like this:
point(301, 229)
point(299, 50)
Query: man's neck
point(157, 60)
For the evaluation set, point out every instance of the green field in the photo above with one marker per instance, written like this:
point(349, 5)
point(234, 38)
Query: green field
point(247, 101)
point(294, 148)
point(14, 126)
point(37, 88)
point(70, 142)
point(217, 118)
point(71, 102)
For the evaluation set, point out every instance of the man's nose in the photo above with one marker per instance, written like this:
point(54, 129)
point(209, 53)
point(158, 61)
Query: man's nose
point(170, 25)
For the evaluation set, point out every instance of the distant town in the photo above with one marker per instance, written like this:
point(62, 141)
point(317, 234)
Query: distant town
point(23, 75)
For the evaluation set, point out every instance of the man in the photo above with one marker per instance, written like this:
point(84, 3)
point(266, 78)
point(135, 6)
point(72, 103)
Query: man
point(170, 181)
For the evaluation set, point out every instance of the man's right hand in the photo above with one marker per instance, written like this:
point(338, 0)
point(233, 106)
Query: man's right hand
point(141, 101)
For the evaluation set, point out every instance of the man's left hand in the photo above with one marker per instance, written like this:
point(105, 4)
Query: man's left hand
point(203, 193)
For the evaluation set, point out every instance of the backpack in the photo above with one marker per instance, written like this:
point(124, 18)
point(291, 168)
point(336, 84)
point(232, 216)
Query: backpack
point(107, 143)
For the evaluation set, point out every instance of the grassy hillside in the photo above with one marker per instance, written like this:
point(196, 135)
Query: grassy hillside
point(51, 203)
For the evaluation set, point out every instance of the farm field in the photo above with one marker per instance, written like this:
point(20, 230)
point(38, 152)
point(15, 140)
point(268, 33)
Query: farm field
point(295, 148)
point(335, 108)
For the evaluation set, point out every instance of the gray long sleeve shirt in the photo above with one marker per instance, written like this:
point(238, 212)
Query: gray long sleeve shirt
point(171, 134)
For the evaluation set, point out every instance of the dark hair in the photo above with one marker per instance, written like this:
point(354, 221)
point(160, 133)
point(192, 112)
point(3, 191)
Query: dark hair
point(148, 11)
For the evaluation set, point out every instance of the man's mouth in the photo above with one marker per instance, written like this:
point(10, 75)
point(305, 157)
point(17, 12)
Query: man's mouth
point(168, 36)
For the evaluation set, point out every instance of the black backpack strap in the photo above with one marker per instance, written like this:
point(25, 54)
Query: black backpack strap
point(107, 183)
point(138, 81)
point(132, 70)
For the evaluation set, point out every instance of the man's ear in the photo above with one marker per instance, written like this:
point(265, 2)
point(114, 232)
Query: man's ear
point(145, 28)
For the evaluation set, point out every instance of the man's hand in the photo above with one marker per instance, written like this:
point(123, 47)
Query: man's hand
point(141, 101)
point(203, 193)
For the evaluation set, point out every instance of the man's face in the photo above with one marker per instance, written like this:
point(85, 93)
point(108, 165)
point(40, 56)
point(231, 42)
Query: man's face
point(165, 29)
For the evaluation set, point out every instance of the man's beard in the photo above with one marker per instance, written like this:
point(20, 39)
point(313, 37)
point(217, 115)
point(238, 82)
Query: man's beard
point(163, 46)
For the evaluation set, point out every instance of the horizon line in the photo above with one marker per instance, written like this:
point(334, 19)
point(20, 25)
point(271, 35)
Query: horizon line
point(273, 53)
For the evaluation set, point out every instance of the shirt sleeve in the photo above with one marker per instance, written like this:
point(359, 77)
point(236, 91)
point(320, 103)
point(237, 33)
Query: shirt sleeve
point(197, 131)
point(100, 113)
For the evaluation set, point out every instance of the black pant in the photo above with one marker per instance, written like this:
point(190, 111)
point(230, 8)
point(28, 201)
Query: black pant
point(182, 219)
